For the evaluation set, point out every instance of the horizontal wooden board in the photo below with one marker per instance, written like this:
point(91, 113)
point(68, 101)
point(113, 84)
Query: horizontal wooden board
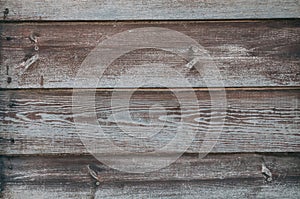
point(214, 189)
point(231, 174)
point(170, 190)
point(41, 121)
point(246, 53)
point(148, 9)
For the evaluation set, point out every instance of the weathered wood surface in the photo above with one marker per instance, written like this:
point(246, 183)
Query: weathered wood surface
point(170, 190)
point(213, 176)
point(247, 53)
point(41, 121)
point(193, 190)
point(41, 153)
point(148, 9)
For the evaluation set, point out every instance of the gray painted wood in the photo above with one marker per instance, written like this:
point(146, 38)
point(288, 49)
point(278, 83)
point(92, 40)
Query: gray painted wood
point(215, 176)
point(148, 9)
point(247, 54)
point(41, 121)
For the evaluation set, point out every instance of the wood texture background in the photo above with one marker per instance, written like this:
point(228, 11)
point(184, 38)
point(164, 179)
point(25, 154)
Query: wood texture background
point(214, 176)
point(255, 45)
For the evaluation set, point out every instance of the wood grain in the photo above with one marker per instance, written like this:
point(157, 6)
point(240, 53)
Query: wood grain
point(148, 9)
point(170, 190)
point(68, 176)
point(247, 54)
point(193, 190)
point(41, 121)
point(43, 147)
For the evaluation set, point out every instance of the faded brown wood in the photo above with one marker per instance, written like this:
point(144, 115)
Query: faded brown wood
point(215, 174)
point(148, 9)
point(42, 154)
point(247, 53)
point(41, 121)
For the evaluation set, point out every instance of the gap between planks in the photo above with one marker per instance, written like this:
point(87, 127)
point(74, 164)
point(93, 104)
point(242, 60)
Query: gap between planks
point(283, 88)
point(146, 22)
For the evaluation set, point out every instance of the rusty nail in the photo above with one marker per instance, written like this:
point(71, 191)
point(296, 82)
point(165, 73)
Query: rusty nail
point(5, 12)
point(26, 64)
point(191, 64)
point(30, 61)
point(36, 48)
point(194, 59)
point(42, 80)
point(92, 172)
point(9, 80)
point(33, 38)
point(194, 49)
point(266, 172)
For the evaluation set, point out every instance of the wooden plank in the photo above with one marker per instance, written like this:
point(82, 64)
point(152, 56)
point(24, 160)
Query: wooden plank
point(192, 190)
point(148, 10)
point(68, 175)
point(170, 190)
point(41, 121)
point(247, 54)
point(50, 169)
point(41, 191)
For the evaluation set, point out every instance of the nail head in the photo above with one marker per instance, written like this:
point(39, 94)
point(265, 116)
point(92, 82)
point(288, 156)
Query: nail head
point(9, 79)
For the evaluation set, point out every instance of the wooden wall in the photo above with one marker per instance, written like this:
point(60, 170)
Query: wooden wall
point(256, 46)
